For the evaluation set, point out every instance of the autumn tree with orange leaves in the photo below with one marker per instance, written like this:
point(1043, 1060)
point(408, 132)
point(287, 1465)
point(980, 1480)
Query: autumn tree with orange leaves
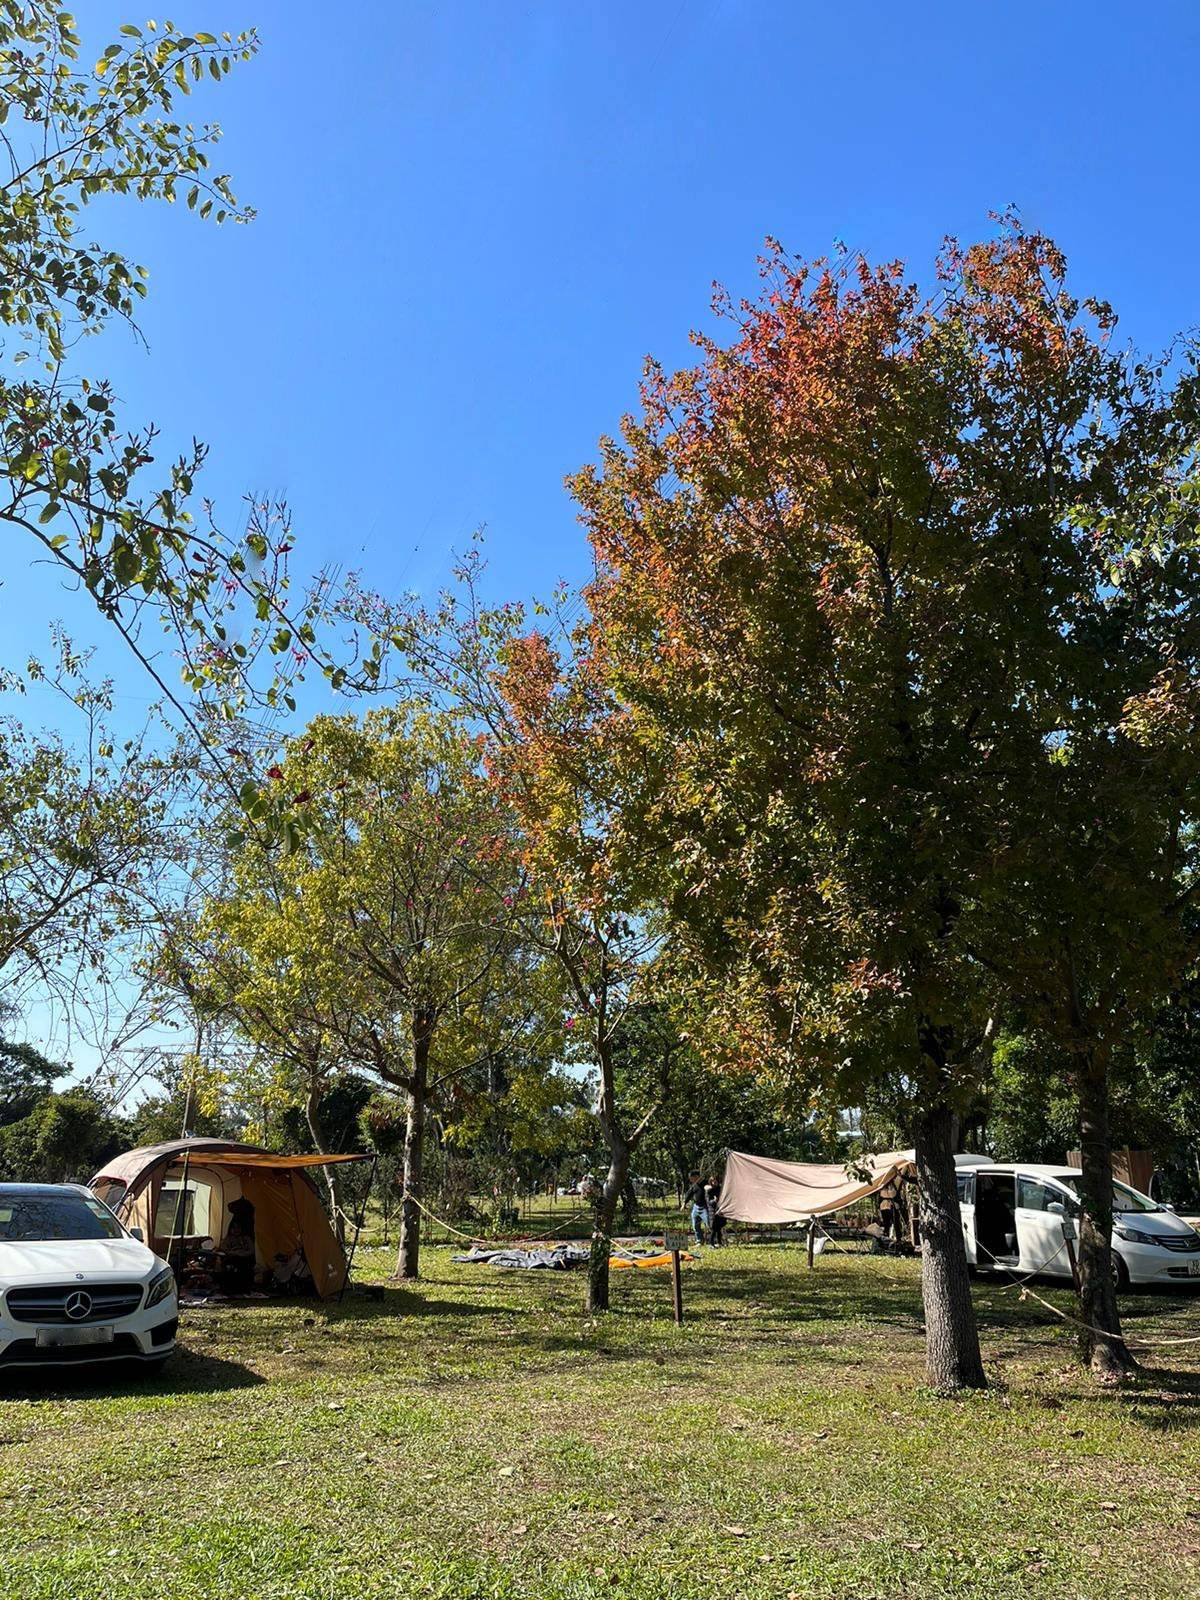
point(555, 757)
point(886, 583)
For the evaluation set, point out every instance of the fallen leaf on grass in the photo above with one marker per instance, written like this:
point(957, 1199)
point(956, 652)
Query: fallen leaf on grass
point(737, 1533)
point(507, 1472)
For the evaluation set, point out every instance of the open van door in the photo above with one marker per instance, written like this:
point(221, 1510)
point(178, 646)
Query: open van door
point(1039, 1229)
point(966, 1207)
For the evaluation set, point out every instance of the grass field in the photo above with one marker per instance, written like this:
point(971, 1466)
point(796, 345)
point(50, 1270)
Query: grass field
point(478, 1436)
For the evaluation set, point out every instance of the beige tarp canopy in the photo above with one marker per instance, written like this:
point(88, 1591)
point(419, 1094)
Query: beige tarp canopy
point(760, 1189)
point(145, 1188)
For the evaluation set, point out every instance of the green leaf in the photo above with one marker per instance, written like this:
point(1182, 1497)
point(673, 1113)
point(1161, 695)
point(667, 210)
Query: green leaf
point(50, 511)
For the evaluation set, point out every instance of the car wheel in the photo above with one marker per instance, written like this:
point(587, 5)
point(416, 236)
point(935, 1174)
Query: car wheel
point(1120, 1273)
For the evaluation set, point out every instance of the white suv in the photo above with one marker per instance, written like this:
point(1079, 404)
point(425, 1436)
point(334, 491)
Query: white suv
point(75, 1286)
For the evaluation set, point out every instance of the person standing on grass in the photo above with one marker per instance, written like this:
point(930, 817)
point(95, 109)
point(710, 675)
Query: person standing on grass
point(696, 1196)
point(889, 1210)
point(716, 1222)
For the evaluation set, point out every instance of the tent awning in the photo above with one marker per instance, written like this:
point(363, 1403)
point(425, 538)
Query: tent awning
point(761, 1189)
point(257, 1158)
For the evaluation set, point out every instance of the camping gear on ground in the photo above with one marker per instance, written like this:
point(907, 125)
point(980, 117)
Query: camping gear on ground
point(562, 1256)
point(661, 1258)
point(555, 1257)
point(183, 1194)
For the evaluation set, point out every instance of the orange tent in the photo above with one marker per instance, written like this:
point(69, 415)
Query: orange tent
point(183, 1190)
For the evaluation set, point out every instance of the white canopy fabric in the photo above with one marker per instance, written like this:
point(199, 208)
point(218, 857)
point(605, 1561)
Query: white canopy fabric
point(760, 1189)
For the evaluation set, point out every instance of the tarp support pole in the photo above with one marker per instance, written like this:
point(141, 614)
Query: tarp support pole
point(812, 1242)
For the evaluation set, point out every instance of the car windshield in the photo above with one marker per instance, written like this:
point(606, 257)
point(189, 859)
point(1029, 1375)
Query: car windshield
point(1125, 1199)
point(33, 1217)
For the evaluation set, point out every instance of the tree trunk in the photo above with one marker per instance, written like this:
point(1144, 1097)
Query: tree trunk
point(408, 1263)
point(1101, 1345)
point(602, 1225)
point(629, 1206)
point(952, 1358)
point(312, 1115)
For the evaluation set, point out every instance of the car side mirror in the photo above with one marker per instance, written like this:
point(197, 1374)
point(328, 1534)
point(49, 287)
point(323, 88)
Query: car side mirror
point(1171, 1209)
point(136, 1233)
point(1056, 1208)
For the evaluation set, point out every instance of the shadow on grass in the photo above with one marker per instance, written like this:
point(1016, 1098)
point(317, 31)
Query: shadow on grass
point(394, 1300)
point(187, 1372)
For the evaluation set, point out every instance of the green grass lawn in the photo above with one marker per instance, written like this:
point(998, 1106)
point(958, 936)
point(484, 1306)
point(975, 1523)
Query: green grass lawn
point(478, 1436)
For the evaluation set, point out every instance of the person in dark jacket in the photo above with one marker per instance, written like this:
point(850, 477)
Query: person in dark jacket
point(695, 1197)
point(716, 1222)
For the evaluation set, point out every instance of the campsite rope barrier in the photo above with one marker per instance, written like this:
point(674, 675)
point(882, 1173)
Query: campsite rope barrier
point(472, 1238)
point(1103, 1333)
point(441, 1221)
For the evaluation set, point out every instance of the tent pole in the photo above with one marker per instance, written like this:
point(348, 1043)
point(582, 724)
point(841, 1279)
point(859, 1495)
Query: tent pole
point(358, 1226)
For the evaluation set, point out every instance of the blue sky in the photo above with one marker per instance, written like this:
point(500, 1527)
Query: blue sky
point(475, 219)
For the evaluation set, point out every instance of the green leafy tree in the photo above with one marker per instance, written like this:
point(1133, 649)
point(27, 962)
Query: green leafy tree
point(26, 1077)
point(87, 852)
point(81, 486)
point(700, 1109)
point(65, 1138)
point(389, 939)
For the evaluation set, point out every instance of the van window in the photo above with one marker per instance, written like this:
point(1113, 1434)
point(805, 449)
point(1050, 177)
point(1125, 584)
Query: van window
point(1124, 1198)
point(1035, 1196)
point(1127, 1199)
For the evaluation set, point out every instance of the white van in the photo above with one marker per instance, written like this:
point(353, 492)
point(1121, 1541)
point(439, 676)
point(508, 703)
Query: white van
point(1012, 1218)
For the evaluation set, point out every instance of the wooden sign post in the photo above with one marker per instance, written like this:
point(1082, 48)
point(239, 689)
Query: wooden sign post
point(676, 1243)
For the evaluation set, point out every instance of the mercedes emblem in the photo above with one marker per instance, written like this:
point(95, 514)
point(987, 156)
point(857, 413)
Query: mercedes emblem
point(78, 1305)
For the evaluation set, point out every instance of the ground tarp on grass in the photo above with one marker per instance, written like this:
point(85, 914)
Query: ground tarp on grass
point(554, 1257)
point(561, 1257)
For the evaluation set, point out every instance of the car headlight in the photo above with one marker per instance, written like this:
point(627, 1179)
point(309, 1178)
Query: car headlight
point(161, 1285)
point(1135, 1236)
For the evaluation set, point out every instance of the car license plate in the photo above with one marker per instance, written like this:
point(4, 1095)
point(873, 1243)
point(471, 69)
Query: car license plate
point(93, 1333)
point(1194, 1269)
